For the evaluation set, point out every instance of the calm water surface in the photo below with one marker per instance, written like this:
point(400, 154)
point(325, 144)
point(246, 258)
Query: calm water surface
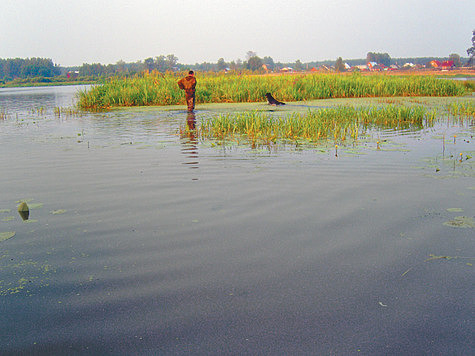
point(140, 241)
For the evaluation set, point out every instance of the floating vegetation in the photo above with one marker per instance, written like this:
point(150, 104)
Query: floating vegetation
point(455, 210)
point(5, 210)
point(451, 166)
point(36, 205)
point(20, 275)
point(8, 218)
point(339, 123)
point(156, 89)
point(6, 235)
point(461, 222)
point(58, 212)
point(433, 257)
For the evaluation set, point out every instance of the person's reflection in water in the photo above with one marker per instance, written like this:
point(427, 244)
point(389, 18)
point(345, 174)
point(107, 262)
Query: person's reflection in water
point(190, 142)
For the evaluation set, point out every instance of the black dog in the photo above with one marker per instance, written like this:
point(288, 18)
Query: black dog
point(272, 101)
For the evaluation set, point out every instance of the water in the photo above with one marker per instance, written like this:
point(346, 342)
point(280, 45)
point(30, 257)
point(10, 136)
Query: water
point(144, 242)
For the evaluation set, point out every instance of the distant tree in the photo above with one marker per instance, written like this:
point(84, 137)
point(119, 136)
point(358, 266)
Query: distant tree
point(172, 61)
point(339, 65)
point(120, 66)
point(471, 50)
point(456, 58)
point(221, 64)
point(161, 63)
point(298, 66)
point(250, 54)
point(149, 64)
point(380, 58)
point(239, 64)
point(254, 63)
point(269, 62)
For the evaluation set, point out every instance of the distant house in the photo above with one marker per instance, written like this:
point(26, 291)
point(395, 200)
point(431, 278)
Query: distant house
point(435, 64)
point(72, 74)
point(361, 67)
point(287, 70)
point(373, 66)
point(447, 65)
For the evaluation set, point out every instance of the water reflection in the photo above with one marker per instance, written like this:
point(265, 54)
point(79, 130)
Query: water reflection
point(26, 99)
point(190, 142)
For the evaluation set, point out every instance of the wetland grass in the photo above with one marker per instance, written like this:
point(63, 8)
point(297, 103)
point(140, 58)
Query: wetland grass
point(339, 123)
point(462, 108)
point(156, 89)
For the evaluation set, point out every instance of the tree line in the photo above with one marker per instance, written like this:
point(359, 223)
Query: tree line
point(44, 68)
point(13, 68)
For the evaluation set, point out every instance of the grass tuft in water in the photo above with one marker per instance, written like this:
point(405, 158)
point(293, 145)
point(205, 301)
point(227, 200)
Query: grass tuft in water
point(462, 108)
point(340, 123)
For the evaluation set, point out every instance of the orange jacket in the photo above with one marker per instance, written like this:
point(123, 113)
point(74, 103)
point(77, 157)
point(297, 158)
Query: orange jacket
point(188, 84)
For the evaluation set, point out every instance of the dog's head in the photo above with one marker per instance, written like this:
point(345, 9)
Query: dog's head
point(268, 96)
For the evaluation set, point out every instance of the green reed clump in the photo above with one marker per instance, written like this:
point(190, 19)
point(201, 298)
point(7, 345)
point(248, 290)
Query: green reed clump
point(157, 89)
point(338, 123)
point(462, 108)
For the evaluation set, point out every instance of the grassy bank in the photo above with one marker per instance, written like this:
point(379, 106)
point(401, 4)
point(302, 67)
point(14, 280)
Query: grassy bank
point(339, 123)
point(155, 89)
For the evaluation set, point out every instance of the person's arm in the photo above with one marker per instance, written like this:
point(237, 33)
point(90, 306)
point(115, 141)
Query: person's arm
point(180, 84)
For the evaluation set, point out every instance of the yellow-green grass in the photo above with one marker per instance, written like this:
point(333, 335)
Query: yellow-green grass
point(155, 89)
point(338, 123)
point(462, 108)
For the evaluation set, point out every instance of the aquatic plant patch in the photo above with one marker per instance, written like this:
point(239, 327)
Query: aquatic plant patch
point(340, 123)
point(461, 222)
point(6, 235)
point(462, 108)
point(153, 89)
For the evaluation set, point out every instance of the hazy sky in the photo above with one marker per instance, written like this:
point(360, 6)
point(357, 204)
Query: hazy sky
point(91, 31)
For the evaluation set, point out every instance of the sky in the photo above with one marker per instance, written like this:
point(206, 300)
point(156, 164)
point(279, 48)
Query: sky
point(98, 31)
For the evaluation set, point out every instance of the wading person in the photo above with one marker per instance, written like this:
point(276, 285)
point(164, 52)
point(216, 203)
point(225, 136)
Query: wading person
point(188, 84)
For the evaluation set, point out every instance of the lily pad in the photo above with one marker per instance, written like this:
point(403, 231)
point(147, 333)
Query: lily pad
point(58, 212)
point(455, 210)
point(461, 221)
point(6, 235)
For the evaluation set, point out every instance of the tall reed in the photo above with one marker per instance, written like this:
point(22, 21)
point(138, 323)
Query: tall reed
point(339, 123)
point(462, 108)
point(157, 89)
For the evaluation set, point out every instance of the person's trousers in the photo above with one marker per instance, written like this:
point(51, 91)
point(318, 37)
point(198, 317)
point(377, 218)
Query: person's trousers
point(190, 101)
